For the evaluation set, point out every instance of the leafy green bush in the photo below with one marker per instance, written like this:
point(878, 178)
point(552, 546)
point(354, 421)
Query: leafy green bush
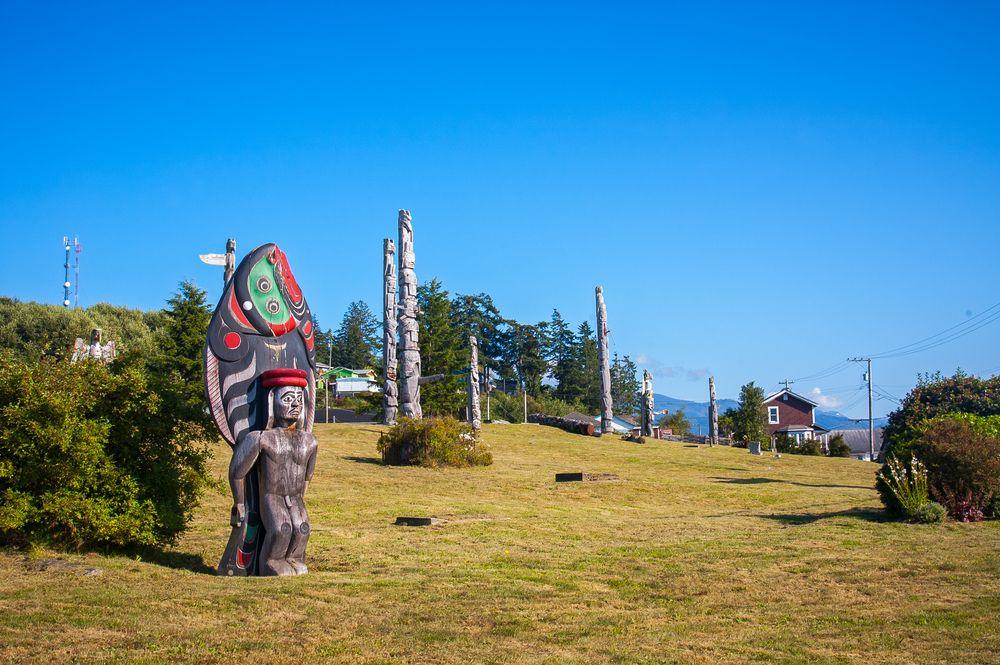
point(95, 455)
point(908, 484)
point(433, 442)
point(837, 447)
point(962, 453)
point(938, 396)
point(930, 513)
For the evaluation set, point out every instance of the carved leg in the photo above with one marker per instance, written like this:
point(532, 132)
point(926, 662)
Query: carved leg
point(278, 525)
point(300, 536)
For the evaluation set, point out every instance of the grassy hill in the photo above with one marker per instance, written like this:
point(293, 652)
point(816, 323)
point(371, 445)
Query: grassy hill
point(697, 554)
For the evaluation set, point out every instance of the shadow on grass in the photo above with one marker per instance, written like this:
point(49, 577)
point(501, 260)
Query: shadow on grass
point(747, 481)
point(178, 561)
point(761, 481)
point(799, 519)
point(362, 460)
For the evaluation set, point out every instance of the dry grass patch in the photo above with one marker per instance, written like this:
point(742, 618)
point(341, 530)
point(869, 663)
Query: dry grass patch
point(697, 555)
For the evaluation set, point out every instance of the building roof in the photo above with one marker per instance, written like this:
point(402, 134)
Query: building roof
point(770, 398)
point(857, 439)
point(800, 428)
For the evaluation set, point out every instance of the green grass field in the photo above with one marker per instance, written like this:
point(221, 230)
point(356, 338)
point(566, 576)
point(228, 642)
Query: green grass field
point(696, 555)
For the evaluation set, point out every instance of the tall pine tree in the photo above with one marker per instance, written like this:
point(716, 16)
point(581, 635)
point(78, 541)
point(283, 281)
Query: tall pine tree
point(441, 352)
point(625, 385)
point(358, 339)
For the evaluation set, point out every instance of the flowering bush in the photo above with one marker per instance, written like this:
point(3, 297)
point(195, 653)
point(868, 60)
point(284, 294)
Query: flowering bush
point(433, 442)
point(907, 484)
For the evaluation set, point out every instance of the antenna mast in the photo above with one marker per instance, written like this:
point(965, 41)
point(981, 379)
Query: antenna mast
point(66, 283)
point(76, 287)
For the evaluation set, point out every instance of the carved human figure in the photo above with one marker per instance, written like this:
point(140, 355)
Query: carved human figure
point(285, 454)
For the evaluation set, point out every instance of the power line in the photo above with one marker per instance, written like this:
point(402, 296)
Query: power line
point(947, 335)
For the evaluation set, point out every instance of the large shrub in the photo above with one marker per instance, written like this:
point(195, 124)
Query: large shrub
point(837, 447)
point(938, 396)
point(962, 454)
point(433, 442)
point(95, 455)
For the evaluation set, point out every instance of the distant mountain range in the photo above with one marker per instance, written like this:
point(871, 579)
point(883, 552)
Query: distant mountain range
point(697, 413)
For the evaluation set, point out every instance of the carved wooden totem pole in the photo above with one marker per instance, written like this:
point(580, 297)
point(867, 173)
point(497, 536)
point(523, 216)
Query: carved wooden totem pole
point(603, 362)
point(409, 371)
point(713, 414)
point(647, 403)
point(390, 392)
point(260, 377)
point(475, 414)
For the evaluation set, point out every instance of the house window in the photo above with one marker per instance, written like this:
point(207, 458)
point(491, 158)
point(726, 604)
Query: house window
point(772, 415)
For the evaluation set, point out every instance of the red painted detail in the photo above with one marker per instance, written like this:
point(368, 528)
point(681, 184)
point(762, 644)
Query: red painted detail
point(237, 311)
point(284, 376)
point(307, 328)
point(242, 559)
point(282, 328)
point(310, 343)
point(232, 340)
point(284, 272)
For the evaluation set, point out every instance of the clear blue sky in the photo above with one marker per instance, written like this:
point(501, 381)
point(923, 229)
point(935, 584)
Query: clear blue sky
point(762, 190)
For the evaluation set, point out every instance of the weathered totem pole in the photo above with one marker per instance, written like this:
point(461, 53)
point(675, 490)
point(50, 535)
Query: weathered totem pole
point(260, 377)
point(409, 379)
point(713, 414)
point(647, 403)
point(230, 268)
point(475, 414)
point(603, 361)
point(95, 350)
point(390, 393)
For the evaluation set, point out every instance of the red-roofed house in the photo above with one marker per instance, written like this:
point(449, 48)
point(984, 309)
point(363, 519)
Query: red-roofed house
point(792, 414)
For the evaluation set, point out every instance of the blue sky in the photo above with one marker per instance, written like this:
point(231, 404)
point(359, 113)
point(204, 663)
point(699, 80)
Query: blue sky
point(762, 190)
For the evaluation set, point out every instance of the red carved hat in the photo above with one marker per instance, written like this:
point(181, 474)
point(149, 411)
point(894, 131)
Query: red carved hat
point(284, 376)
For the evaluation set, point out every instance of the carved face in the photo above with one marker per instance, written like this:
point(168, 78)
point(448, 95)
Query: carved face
point(287, 403)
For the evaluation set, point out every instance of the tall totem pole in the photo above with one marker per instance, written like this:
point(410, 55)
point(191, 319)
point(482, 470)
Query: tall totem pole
point(230, 265)
point(602, 358)
point(647, 403)
point(390, 393)
point(713, 414)
point(409, 379)
point(475, 414)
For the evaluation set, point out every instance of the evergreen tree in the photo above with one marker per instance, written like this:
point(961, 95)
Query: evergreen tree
point(750, 418)
point(677, 422)
point(625, 385)
point(324, 342)
point(477, 315)
point(441, 352)
point(358, 339)
point(528, 355)
point(561, 351)
point(579, 380)
point(181, 348)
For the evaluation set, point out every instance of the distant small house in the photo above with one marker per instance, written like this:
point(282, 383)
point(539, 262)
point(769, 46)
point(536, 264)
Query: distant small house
point(348, 382)
point(793, 415)
point(857, 440)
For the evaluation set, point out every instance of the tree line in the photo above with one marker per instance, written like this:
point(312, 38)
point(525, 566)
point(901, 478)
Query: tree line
point(549, 359)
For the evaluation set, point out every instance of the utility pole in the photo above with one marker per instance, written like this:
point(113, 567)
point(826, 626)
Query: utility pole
point(787, 383)
point(871, 419)
point(487, 387)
